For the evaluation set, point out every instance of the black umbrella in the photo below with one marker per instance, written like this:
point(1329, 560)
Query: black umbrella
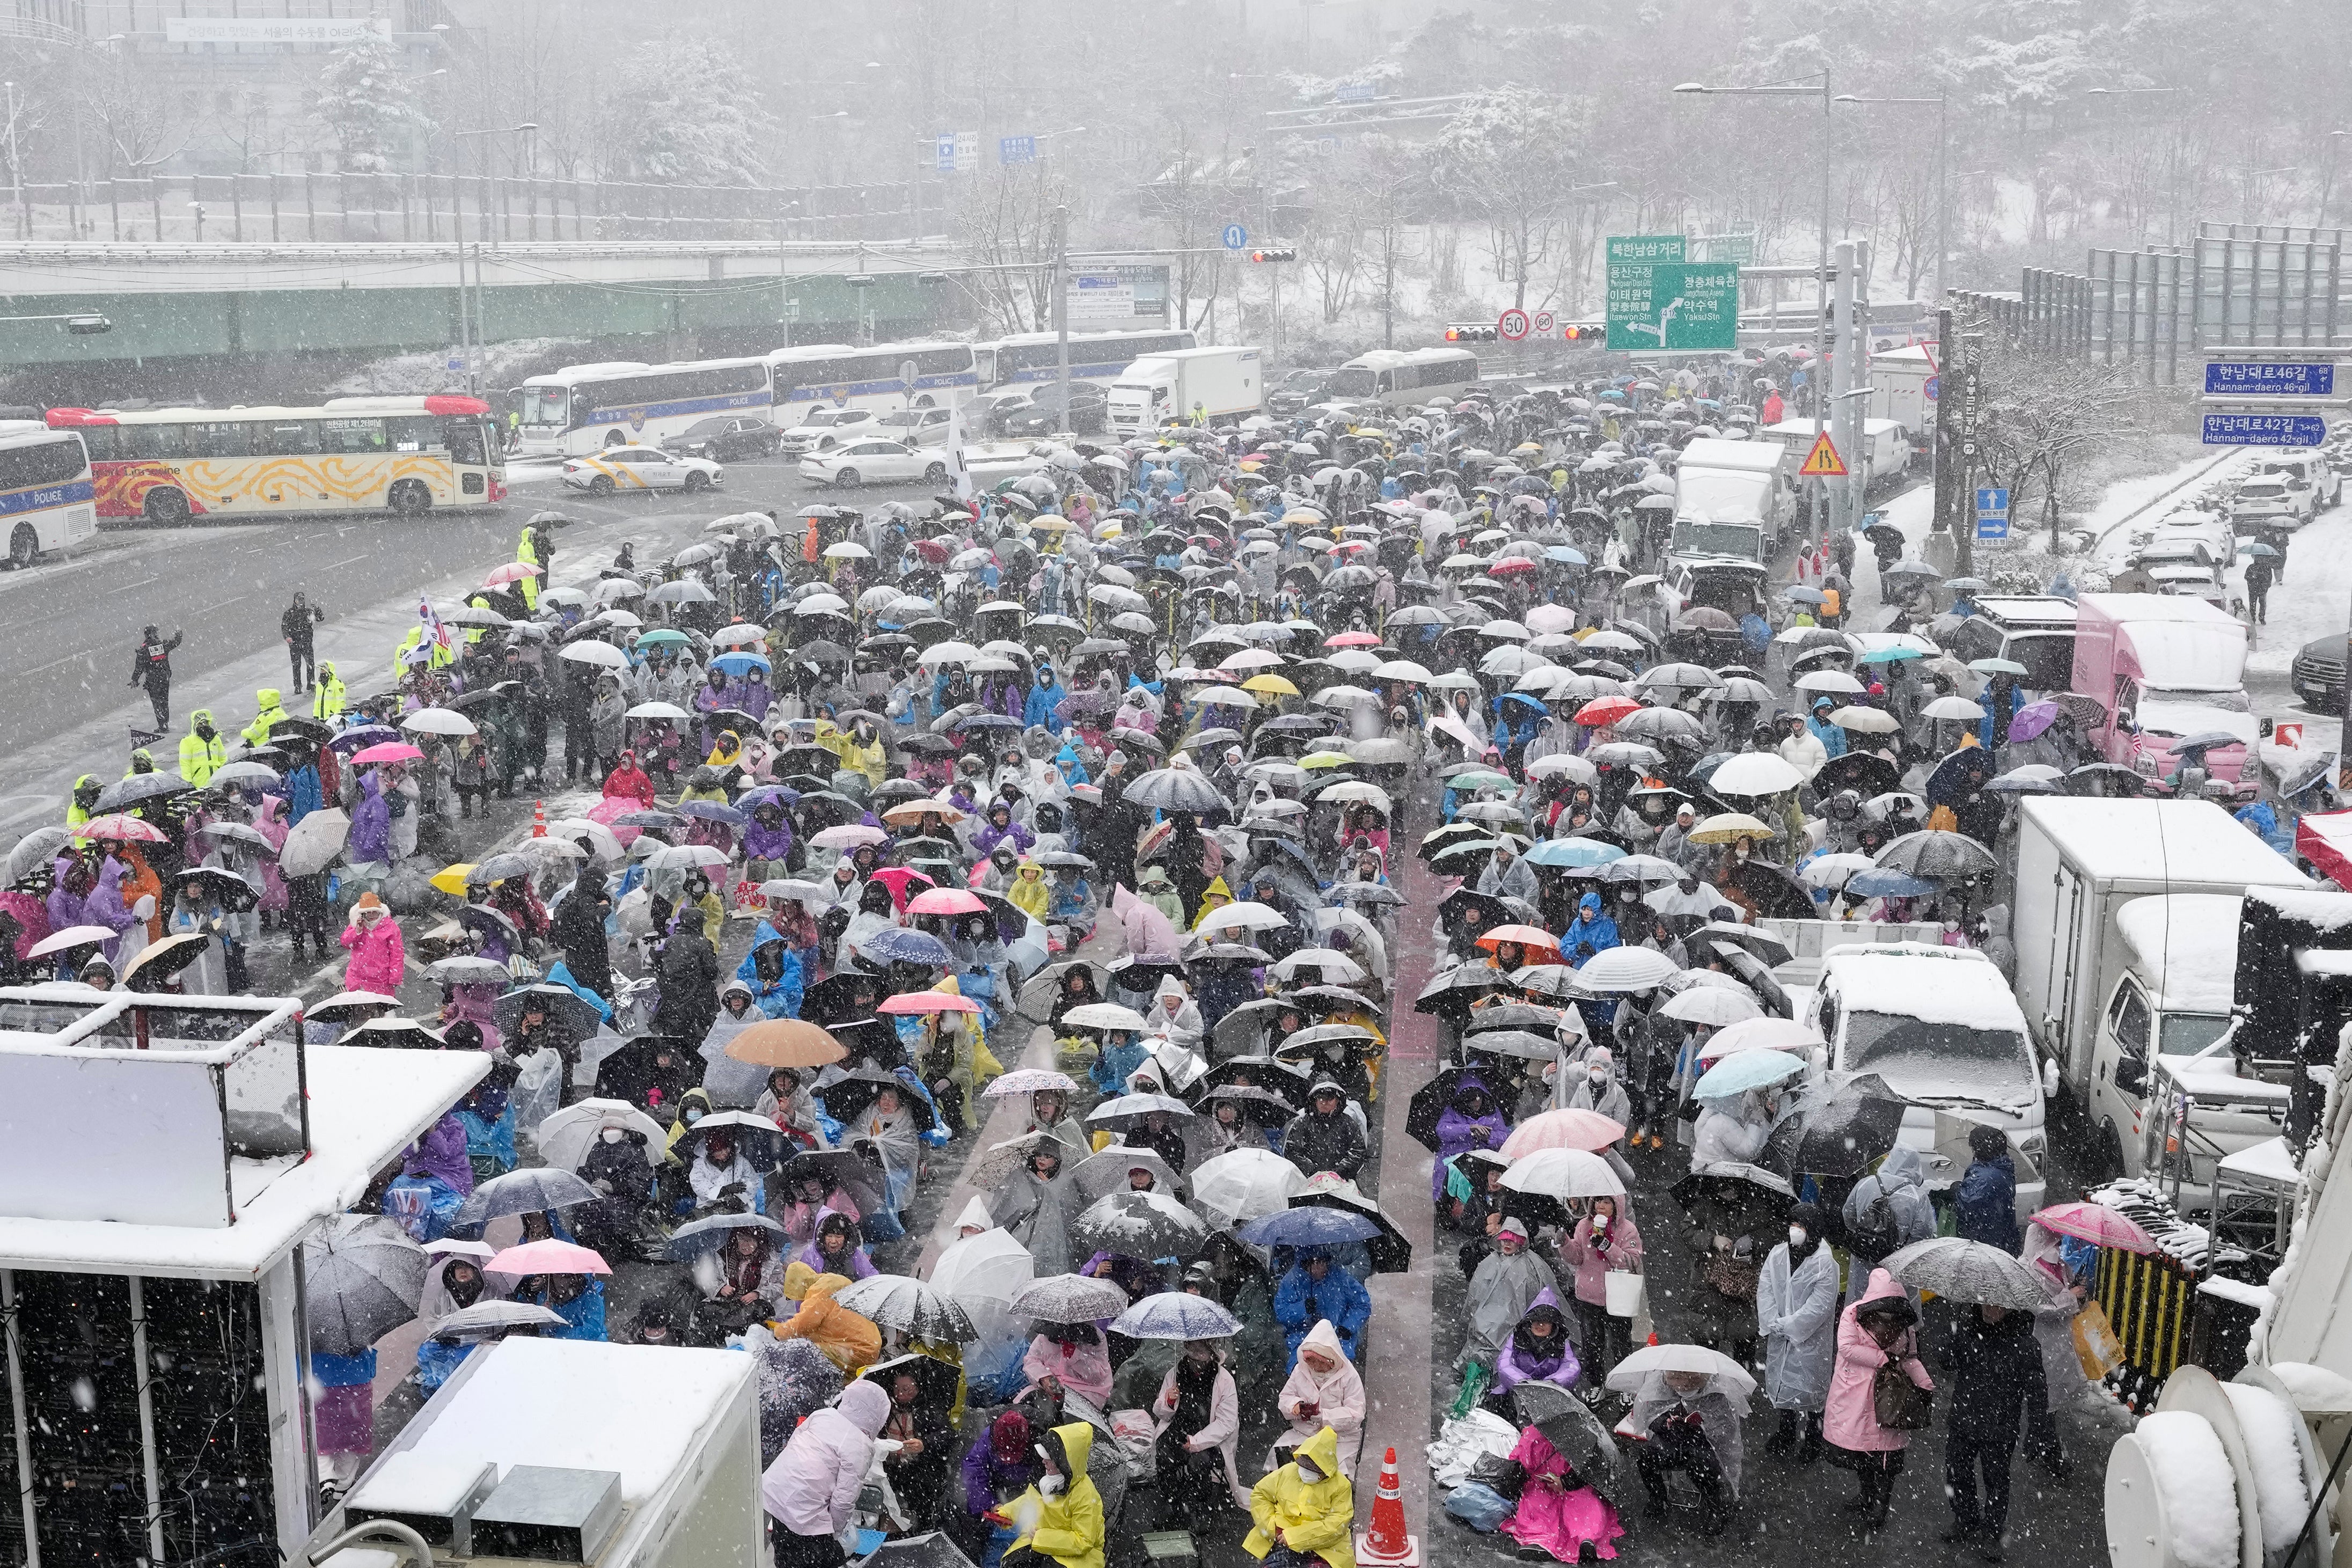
point(1430, 1101)
point(234, 894)
point(1864, 772)
point(1454, 991)
point(1841, 1131)
point(124, 793)
point(1577, 1435)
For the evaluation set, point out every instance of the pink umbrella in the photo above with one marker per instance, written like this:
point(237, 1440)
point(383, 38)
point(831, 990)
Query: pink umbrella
point(1351, 639)
point(1759, 1035)
point(1586, 1129)
point(848, 836)
point(902, 880)
point(2097, 1224)
point(512, 571)
point(389, 751)
point(613, 805)
point(550, 1256)
point(122, 829)
point(946, 901)
point(915, 1003)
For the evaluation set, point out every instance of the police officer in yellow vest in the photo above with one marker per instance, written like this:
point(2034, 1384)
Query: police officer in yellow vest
point(203, 750)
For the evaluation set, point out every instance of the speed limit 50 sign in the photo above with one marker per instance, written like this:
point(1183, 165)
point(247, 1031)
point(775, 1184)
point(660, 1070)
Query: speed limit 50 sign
point(1512, 325)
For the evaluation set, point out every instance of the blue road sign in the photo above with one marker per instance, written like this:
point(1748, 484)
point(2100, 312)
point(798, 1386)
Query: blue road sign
point(1016, 149)
point(1992, 514)
point(1234, 237)
point(1356, 92)
point(945, 155)
point(2264, 430)
point(2240, 378)
point(1934, 387)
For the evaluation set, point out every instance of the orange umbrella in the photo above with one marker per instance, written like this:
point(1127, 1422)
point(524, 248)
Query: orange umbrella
point(1525, 936)
point(785, 1043)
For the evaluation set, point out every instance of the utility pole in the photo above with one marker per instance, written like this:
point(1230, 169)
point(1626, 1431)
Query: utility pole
point(1062, 307)
point(1831, 399)
point(1855, 349)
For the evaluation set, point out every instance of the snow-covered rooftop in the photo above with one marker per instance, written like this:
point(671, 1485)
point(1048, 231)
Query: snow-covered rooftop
point(2193, 841)
point(366, 1105)
point(2188, 944)
point(1936, 984)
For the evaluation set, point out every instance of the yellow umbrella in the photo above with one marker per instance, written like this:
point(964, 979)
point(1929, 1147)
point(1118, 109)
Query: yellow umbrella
point(1326, 760)
point(1728, 828)
point(1052, 522)
point(1270, 685)
point(452, 879)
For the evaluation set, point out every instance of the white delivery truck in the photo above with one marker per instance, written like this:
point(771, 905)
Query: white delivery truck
point(2125, 929)
point(1938, 1024)
point(1732, 499)
point(1218, 385)
point(1899, 378)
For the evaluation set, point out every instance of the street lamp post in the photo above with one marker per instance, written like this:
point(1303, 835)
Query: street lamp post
point(1943, 226)
point(1827, 502)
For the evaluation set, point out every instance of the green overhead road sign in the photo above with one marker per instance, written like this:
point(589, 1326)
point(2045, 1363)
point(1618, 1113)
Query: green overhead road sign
point(1673, 306)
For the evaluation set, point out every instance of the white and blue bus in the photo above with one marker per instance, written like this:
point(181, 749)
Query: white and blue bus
point(834, 375)
point(48, 501)
point(1032, 357)
point(583, 408)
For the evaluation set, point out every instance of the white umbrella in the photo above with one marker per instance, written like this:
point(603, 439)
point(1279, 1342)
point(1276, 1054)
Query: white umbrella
point(1337, 966)
point(313, 844)
point(1626, 969)
point(1637, 1368)
point(438, 722)
point(1247, 915)
point(982, 1273)
point(1245, 1185)
point(1755, 773)
point(597, 653)
point(1866, 721)
point(847, 549)
point(669, 711)
point(565, 1136)
point(1564, 1173)
point(1952, 707)
point(1103, 1016)
point(1712, 1005)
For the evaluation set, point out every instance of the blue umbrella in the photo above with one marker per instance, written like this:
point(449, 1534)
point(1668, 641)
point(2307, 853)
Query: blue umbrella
point(713, 811)
point(1735, 1075)
point(1562, 552)
point(1895, 655)
point(900, 945)
point(1530, 701)
point(1881, 883)
point(1804, 595)
point(1309, 1227)
point(1585, 852)
point(737, 663)
point(1175, 1315)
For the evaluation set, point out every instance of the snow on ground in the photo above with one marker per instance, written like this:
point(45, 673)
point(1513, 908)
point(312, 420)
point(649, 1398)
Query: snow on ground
point(2126, 499)
point(2311, 600)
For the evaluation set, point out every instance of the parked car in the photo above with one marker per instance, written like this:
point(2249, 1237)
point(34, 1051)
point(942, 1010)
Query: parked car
point(915, 426)
point(726, 438)
point(855, 462)
point(825, 428)
point(2270, 501)
point(1042, 414)
point(2317, 674)
point(985, 415)
point(1298, 390)
point(2305, 472)
point(641, 468)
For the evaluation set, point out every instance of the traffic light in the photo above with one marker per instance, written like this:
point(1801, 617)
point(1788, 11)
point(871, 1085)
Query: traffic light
point(1471, 332)
point(1584, 332)
point(1273, 256)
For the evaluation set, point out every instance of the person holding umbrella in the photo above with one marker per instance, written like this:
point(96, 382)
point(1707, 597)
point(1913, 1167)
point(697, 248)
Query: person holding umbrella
point(1690, 1421)
point(1998, 1380)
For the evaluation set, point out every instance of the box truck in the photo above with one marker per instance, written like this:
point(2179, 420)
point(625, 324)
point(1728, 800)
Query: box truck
point(2126, 928)
point(1217, 384)
point(2164, 667)
point(1732, 499)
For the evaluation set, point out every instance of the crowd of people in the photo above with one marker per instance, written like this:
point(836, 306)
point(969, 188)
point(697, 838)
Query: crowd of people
point(1067, 847)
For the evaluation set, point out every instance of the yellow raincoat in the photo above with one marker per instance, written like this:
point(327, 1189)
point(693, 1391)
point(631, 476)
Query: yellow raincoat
point(971, 1065)
point(200, 758)
point(527, 551)
point(1216, 890)
point(1068, 1526)
point(1313, 1516)
point(327, 698)
point(1028, 892)
point(273, 709)
point(869, 760)
point(848, 1340)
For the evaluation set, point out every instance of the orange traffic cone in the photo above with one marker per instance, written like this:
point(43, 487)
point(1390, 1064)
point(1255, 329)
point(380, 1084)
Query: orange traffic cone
point(1387, 1541)
point(539, 819)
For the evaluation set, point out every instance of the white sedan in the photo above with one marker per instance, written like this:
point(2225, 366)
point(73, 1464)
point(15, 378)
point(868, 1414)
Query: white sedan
point(641, 468)
point(854, 462)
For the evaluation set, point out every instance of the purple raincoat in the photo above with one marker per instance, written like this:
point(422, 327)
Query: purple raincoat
point(441, 1154)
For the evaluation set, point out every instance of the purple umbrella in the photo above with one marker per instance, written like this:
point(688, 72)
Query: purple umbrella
point(2032, 720)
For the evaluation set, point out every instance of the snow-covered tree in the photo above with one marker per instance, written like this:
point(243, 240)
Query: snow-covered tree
point(1510, 157)
point(369, 106)
point(687, 112)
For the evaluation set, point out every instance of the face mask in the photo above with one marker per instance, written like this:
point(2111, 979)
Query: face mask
point(1600, 1079)
point(612, 1134)
point(1049, 1485)
point(692, 1117)
point(1796, 1235)
point(1307, 1472)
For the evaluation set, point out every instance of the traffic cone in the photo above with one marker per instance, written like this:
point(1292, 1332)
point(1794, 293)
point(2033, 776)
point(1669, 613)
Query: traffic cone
point(1387, 1541)
point(539, 819)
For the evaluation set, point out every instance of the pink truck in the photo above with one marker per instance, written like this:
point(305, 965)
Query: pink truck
point(2165, 668)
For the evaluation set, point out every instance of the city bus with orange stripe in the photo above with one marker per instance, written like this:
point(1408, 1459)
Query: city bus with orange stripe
point(403, 455)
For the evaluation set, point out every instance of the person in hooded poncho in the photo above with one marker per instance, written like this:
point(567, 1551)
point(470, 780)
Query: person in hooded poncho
point(888, 1124)
point(1559, 1513)
point(1074, 1356)
point(810, 1491)
point(1305, 1511)
point(1028, 891)
point(1538, 1349)
point(1036, 1205)
point(1890, 1207)
point(1324, 1389)
point(1472, 1120)
point(848, 1340)
point(836, 1248)
point(1198, 1418)
point(1880, 1328)
point(1508, 1281)
point(1174, 1015)
point(1214, 897)
point(1796, 1316)
point(1060, 1518)
point(1317, 1289)
point(1688, 1423)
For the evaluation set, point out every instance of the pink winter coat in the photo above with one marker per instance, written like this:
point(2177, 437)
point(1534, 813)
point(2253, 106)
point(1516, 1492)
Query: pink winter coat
point(377, 957)
point(1851, 1420)
point(1592, 1263)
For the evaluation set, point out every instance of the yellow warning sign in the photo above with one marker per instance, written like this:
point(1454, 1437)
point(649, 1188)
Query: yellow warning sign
point(1823, 462)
